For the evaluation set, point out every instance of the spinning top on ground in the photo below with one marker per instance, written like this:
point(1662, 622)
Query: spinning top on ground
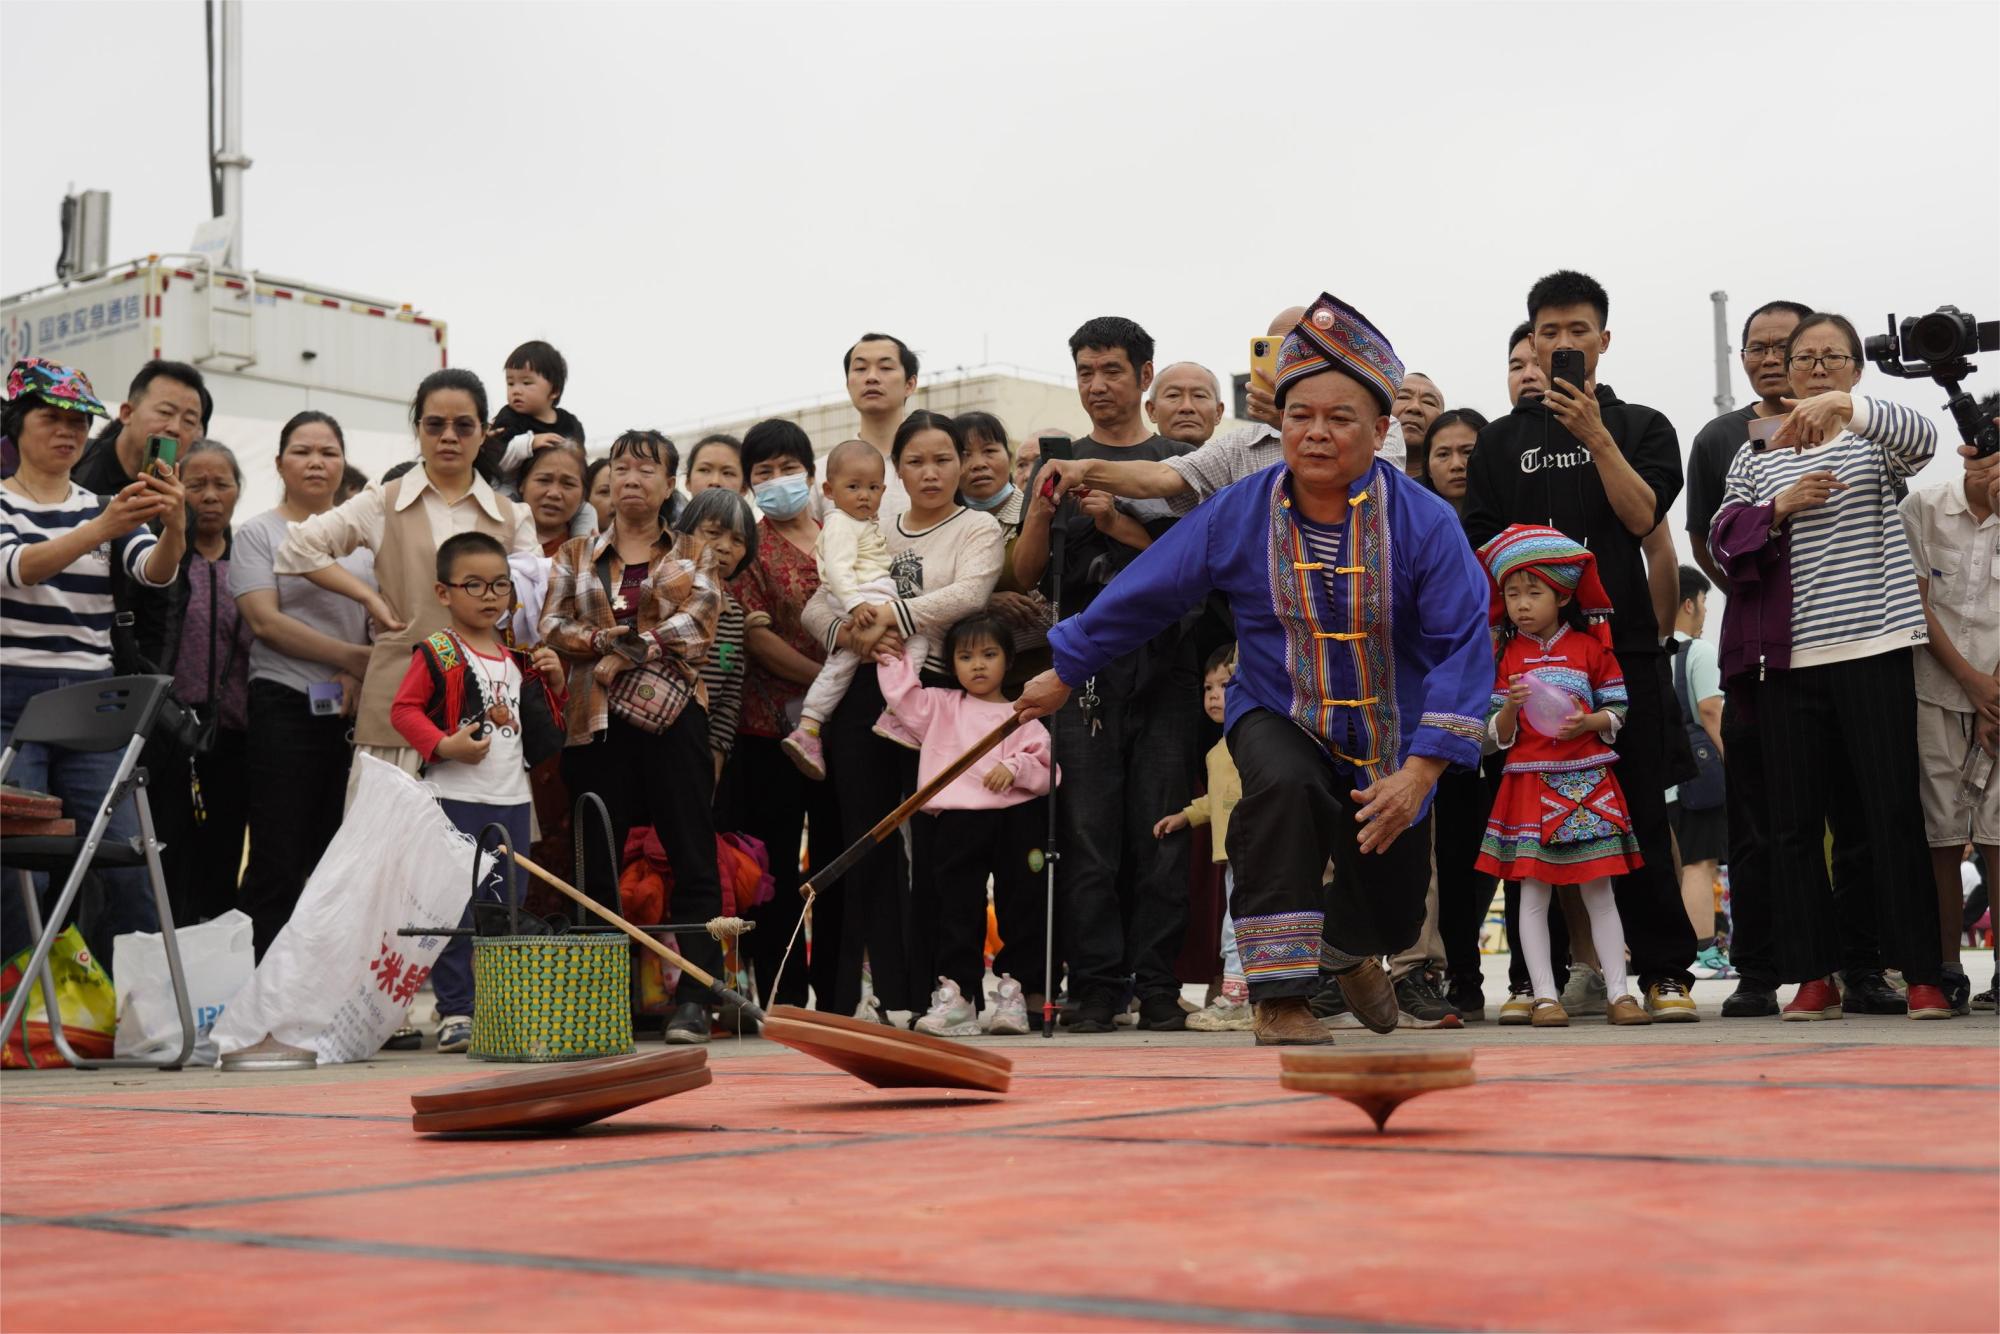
point(888, 1058)
point(552, 1099)
point(1376, 1082)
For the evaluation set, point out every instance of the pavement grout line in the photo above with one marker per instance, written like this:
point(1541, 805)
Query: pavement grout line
point(1077, 1304)
point(1555, 1155)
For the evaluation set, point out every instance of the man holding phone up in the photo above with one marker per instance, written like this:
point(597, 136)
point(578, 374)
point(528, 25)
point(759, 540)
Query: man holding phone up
point(1189, 479)
point(1603, 472)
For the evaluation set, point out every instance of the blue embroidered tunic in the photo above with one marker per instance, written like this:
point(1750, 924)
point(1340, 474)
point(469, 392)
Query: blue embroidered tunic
point(1370, 634)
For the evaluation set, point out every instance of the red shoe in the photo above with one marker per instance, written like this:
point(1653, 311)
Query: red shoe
point(1929, 1003)
point(1818, 999)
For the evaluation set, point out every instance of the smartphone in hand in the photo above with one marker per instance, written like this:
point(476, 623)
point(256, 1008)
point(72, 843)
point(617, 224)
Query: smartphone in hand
point(1566, 363)
point(1264, 362)
point(162, 449)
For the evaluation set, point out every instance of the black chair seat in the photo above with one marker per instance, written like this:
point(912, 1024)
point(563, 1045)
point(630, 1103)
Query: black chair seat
point(57, 853)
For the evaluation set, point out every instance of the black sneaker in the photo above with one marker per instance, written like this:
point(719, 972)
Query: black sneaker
point(1422, 1005)
point(1957, 988)
point(1988, 999)
point(1162, 1014)
point(1751, 1000)
point(1869, 992)
point(1093, 1014)
point(689, 1024)
point(1330, 1004)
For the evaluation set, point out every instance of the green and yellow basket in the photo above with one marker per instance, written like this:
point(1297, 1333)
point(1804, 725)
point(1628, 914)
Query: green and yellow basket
point(551, 998)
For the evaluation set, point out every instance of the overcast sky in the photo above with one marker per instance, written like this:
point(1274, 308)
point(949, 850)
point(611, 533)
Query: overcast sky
point(703, 204)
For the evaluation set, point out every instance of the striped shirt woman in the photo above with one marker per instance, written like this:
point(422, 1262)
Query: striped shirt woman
point(63, 622)
point(1854, 588)
point(1821, 499)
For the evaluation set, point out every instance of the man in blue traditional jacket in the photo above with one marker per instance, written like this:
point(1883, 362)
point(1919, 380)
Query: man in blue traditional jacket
point(1363, 670)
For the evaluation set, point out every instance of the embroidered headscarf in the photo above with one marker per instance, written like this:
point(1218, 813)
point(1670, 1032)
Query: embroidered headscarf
point(1558, 561)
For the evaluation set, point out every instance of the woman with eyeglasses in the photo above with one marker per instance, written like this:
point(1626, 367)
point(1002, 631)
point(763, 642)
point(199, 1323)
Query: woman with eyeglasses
point(633, 612)
point(1825, 615)
point(403, 522)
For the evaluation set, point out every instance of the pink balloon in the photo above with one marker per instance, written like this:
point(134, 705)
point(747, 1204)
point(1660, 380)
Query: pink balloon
point(1549, 706)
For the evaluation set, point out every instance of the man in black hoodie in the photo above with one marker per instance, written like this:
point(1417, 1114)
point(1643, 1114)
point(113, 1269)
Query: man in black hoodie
point(1604, 472)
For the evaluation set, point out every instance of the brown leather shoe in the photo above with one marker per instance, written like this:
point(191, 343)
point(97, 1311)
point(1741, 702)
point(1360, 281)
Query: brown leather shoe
point(1626, 1010)
point(1549, 1014)
point(1289, 1023)
point(1371, 996)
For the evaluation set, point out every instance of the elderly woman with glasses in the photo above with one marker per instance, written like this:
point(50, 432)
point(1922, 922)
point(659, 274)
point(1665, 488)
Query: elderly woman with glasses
point(1824, 615)
point(403, 522)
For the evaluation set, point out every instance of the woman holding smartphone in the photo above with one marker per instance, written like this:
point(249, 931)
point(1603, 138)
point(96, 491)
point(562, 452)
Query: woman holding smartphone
point(307, 659)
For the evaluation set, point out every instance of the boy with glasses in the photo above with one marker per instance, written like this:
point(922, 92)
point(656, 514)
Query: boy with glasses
point(478, 714)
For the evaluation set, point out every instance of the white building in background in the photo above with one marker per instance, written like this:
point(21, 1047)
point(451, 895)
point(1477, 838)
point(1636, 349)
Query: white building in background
point(1023, 400)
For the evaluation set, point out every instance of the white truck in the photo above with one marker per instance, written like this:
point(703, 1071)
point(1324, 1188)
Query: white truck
point(269, 347)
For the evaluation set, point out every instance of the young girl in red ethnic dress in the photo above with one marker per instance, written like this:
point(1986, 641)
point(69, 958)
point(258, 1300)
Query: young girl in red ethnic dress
point(1560, 817)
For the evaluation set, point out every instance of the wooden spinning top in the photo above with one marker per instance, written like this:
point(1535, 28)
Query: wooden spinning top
point(555, 1098)
point(1376, 1082)
point(888, 1057)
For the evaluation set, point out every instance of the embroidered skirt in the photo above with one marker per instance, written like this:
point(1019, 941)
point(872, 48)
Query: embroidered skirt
point(1564, 827)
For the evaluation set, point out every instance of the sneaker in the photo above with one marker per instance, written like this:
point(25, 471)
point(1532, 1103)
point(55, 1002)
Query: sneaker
point(406, 1038)
point(690, 1025)
point(1929, 1003)
point(1988, 999)
point(1669, 1003)
point(1712, 963)
point(951, 1015)
point(1818, 999)
point(1584, 992)
point(803, 749)
point(1519, 1006)
point(1469, 1000)
point(1623, 1010)
point(1010, 1008)
point(1869, 991)
point(454, 1032)
point(869, 1011)
point(1548, 1014)
point(891, 728)
point(1420, 1004)
point(1957, 989)
point(1330, 1006)
point(1092, 1014)
point(1224, 1015)
point(1750, 1000)
point(1162, 1014)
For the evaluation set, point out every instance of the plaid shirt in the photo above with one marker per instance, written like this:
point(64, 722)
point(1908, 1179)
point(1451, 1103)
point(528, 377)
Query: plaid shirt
point(680, 602)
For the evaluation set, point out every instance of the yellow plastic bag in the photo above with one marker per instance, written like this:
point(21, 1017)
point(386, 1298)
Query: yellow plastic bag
point(84, 994)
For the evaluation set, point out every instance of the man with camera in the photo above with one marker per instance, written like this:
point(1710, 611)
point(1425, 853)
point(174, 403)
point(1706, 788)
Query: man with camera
point(1604, 472)
point(1127, 743)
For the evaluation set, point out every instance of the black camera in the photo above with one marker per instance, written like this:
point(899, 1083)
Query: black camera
point(1941, 345)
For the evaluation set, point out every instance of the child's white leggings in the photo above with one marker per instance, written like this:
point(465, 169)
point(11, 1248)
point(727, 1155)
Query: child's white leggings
point(1605, 930)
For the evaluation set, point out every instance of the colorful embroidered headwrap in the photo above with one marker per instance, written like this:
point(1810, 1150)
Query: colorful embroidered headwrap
point(1334, 336)
point(1558, 561)
point(57, 385)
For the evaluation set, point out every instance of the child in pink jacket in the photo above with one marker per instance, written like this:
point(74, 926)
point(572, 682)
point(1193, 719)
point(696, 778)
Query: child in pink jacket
point(991, 820)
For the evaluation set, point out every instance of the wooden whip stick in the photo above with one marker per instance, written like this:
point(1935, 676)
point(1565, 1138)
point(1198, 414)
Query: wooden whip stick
point(888, 825)
point(724, 993)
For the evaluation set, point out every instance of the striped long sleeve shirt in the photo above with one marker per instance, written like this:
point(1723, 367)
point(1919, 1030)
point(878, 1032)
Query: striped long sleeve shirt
point(63, 623)
point(1854, 588)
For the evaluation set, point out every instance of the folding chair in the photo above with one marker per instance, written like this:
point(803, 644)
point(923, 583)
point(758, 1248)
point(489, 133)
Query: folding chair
point(93, 716)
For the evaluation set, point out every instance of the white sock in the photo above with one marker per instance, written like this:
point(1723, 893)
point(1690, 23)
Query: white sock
point(1606, 932)
point(1534, 929)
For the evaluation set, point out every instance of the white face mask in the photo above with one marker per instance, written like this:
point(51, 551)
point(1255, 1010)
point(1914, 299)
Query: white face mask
point(783, 497)
point(992, 502)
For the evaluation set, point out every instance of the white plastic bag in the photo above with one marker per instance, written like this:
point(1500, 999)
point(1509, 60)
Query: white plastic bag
point(216, 960)
point(338, 978)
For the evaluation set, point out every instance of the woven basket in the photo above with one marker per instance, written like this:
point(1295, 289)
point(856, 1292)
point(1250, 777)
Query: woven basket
point(551, 998)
